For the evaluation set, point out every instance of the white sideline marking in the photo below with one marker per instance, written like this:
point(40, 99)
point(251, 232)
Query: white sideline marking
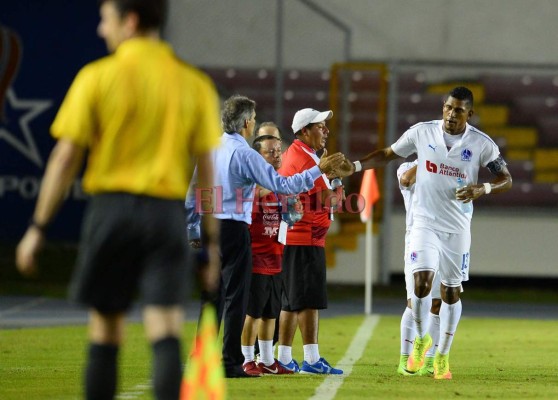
point(332, 383)
point(23, 307)
point(138, 391)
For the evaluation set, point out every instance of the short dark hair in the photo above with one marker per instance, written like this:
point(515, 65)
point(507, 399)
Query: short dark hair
point(152, 14)
point(257, 144)
point(236, 110)
point(463, 94)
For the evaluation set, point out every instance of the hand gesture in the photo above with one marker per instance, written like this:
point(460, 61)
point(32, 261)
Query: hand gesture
point(469, 193)
point(347, 168)
point(27, 251)
point(329, 164)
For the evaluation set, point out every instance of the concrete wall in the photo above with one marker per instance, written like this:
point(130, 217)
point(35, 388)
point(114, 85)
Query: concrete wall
point(242, 33)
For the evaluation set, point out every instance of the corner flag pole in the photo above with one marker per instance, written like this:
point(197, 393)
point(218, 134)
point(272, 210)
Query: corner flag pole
point(368, 266)
point(370, 193)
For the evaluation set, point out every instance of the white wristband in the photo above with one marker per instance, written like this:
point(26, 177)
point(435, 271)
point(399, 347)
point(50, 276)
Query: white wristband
point(487, 188)
point(358, 166)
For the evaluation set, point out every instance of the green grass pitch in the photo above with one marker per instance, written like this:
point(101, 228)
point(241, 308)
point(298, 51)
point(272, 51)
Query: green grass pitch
point(490, 359)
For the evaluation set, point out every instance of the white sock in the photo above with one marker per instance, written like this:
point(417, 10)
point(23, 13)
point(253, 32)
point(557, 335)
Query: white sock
point(434, 331)
point(266, 352)
point(421, 309)
point(285, 354)
point(311, 353)
point(248, 353)
point(407, 331)
point(450, 314)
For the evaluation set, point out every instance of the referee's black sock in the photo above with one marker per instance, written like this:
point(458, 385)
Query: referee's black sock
point(100, 374)
point(167, 369)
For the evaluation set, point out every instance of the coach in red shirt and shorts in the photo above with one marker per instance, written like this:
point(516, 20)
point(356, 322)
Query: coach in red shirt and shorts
point(304, 264)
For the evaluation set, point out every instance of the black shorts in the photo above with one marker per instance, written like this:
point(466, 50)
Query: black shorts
point(304, 278)
point(131, 245)
point(265, 296)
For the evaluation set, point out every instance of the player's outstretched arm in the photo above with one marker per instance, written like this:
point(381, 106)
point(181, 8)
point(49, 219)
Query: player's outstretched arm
point(376, 159)
point(329, 164)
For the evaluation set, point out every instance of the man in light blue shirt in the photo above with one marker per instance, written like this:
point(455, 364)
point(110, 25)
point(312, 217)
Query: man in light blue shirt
point(238, 168)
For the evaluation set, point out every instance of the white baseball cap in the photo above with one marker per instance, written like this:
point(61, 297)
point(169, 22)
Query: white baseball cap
point(309, 116)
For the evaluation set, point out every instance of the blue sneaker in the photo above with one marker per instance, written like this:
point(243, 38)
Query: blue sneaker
point(320, 367)
point(292, 366)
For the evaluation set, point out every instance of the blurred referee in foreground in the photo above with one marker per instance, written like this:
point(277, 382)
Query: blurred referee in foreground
point(138, 113)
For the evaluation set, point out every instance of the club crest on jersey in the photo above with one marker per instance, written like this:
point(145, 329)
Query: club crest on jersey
point(466, 155)
point(413, 256)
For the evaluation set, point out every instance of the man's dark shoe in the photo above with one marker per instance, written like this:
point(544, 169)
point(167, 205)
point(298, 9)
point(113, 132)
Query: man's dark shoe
point(236, 371)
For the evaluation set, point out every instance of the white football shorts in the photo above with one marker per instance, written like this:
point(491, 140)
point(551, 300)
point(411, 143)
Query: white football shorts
point(410, 279)
point(446, 254)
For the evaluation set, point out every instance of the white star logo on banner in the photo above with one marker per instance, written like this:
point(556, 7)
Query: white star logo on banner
point(27, 147)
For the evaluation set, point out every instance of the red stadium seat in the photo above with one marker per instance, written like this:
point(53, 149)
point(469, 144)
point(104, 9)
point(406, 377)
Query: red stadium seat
point(548, 131)
point(503, 88)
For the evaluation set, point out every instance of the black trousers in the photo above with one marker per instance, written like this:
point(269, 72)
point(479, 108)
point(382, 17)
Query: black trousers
point(236, 274)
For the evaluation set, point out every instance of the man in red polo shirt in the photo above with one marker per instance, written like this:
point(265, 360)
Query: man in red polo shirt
point(304, 264)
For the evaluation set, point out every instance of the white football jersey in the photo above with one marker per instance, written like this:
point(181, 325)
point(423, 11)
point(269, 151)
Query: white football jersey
point(435, 204)
point(407, 193)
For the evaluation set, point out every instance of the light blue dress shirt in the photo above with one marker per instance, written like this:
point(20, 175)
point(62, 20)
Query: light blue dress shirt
point(237, 170)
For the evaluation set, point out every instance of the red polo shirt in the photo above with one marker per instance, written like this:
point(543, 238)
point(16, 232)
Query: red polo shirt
point(267, 252)
point(311, 230)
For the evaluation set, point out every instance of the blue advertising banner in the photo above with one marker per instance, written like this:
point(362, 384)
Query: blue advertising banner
point(43, 44)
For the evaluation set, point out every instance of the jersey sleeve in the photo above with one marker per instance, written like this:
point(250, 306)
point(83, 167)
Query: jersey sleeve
point(208, 129)
point(489, 153)
point(75, 119)
point(406, 144)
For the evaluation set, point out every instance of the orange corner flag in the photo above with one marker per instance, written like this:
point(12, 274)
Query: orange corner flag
point(369, 192)
point(204, 378)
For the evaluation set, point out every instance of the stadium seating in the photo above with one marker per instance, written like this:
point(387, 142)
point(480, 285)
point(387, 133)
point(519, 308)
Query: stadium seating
point(517, 110)
point(533, 106)
point(526, 109)
point(524, 195)
point(548, 130)
point(503, 88)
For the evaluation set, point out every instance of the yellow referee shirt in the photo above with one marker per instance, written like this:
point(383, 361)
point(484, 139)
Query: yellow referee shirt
point(143, 114)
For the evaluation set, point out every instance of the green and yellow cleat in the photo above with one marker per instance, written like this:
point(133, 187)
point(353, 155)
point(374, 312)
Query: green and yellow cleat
point(428, 367)
point(420, 347)
point(441, 366)
point(402, 368)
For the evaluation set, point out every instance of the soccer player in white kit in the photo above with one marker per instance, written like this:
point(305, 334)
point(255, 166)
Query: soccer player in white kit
point(440, 239)
point(406, 176)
